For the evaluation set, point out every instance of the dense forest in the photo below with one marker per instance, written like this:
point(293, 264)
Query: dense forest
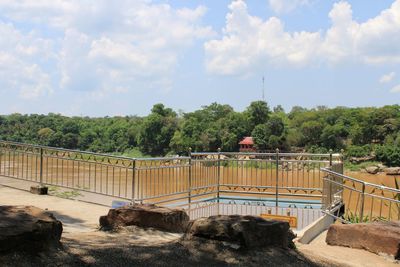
point(360, 131)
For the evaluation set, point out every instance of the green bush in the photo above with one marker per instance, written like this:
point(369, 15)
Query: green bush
point(317, 149)
point(389, 155)
point(358, 151)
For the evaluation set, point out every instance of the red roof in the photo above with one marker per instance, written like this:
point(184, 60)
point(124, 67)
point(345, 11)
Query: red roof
point(247, 141)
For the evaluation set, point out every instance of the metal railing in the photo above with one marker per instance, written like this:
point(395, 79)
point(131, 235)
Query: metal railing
point(352, 200)
point(221, 176)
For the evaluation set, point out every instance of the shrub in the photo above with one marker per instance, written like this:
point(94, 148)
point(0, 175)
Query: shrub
point(317, 149)
point(389, 155)
point(358, 151)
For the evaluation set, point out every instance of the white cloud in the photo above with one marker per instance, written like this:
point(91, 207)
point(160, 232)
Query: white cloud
point(395, 89)
point(20, 56)
point(286, 6)
point(101, 45)
point(249, 43)
point(386, 78)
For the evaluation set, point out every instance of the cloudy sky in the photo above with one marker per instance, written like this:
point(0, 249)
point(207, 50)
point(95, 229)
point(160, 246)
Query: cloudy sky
point(98, 57)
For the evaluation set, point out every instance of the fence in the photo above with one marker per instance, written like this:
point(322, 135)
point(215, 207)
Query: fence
point(351, 200)
point(288, 180)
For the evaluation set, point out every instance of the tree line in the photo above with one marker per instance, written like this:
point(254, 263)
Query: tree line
point(360, 131)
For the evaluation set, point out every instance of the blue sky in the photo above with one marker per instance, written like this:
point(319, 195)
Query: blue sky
point(99, 58)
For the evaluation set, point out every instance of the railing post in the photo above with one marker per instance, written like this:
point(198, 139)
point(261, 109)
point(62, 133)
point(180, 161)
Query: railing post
point(362, 203)
point(277, 179)
point(133, 181)
point(190, 178)
point(330, 189)
point(219, 175)
point(41, 166)
point(341, 157)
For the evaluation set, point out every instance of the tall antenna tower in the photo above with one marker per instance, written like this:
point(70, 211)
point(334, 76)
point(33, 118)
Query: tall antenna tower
point(263, 89)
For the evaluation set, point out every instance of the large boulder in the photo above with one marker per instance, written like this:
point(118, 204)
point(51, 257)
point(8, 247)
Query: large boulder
point(27, 228)
point(392, 171)
point(372, 169)
point(245, 231)
point(146, 215)
point(377, 237)
point(358, 160)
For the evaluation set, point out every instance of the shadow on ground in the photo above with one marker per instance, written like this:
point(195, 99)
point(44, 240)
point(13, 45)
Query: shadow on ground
point(66, 219)
point(120, 249)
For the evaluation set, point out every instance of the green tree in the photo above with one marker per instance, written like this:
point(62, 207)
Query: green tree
point(270, 135)
point(311, 131)
point(157, 131)
point(45, 135)
point(258, 113)
point(333, 136)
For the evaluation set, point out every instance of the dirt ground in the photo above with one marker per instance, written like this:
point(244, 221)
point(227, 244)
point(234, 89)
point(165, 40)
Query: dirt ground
point(319, 251)
point(82, 244)
point(150, 248)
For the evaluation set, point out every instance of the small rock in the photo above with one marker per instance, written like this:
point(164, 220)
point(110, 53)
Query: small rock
point(381, 167)
point(372, 169)
point(39, 190)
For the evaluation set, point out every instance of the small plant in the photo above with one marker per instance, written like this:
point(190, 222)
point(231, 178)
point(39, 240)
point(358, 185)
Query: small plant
point(355, 218)
point(56, 191)
point(82, 187)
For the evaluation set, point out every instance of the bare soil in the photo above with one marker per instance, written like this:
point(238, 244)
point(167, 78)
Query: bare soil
point(139, 247)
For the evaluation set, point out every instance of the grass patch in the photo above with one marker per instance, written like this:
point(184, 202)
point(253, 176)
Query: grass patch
point(132, 153)
point(349, 166)
point(58, 192)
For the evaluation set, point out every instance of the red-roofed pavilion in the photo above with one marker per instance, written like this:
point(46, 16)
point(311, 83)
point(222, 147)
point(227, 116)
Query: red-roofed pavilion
point(247, 145)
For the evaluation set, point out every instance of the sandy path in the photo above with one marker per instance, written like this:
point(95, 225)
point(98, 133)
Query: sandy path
point(320, 252)
point(76, 216)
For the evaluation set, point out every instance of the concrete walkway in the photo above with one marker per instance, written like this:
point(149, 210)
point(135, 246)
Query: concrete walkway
point(76, 216)
point(318, 251)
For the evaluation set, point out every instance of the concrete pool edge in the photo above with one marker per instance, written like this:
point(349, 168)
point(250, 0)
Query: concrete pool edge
point(306, 235)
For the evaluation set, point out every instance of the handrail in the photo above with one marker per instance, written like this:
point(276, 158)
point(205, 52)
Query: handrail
point(265, 154)
point(382, 187)
point(362, 209)
point(139, 179)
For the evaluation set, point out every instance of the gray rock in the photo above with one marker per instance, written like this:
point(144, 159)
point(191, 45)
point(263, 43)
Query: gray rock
point(246, 231)
point(381, 167)
point(27, 228)
point(358, 160)
point(392, 171)
point(372, 169)
point(172, 220)
point(39, 190)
